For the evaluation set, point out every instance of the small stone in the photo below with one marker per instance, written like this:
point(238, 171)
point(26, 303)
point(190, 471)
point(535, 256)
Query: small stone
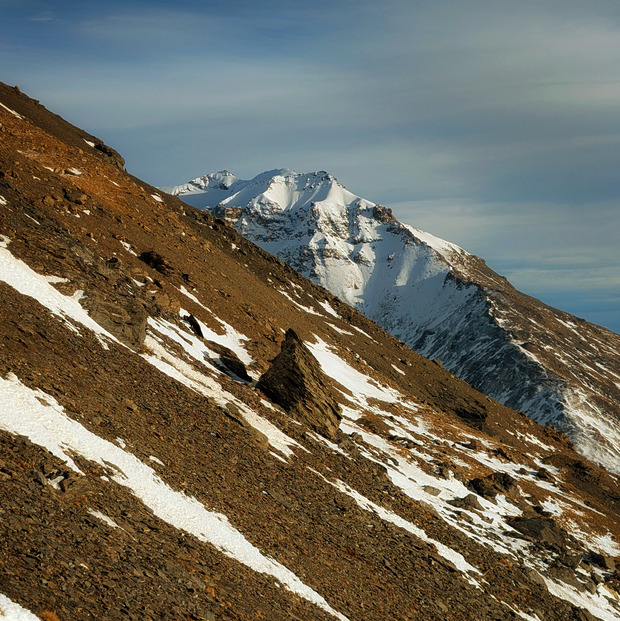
point(602, 560)
point(474, 445)
point(228, 361)
point(432, 491)
point(468, 502)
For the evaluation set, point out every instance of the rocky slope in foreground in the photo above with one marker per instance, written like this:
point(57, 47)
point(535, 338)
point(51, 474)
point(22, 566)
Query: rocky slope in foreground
point(146, 473)
point(443, 302)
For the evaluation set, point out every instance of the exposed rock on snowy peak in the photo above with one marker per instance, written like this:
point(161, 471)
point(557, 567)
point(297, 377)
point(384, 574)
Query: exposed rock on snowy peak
point(144, 476)
point(442, 301)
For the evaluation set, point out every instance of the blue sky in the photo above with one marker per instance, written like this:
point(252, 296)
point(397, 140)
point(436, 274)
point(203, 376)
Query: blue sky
point(493, 124)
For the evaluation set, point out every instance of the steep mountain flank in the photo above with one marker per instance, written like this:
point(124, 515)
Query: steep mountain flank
point(440, 300)
point(142, 476)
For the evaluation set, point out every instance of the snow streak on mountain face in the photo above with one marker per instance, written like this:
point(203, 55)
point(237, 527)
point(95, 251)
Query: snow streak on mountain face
point(433, 295)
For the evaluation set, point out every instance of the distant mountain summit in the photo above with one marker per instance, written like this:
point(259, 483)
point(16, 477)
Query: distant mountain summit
point(442, 301)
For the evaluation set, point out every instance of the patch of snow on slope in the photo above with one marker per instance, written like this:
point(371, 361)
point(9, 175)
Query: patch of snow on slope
point(55, 280)
point(15, 114)
point(128, 248)
point(364, 333)
point(12, 611)
point(25, 414)
point(15, 273)
point(597, 604)
point(192, 297)
point(398, 370)
point(231, 338)
point(530, 439)
point(362, 386)
point(521, 614)
point(104, 518)
point(368, 505)
point(3, 201)
point(179, 370)
point(604, 544)
point(552, 507)
point(329, 310)
point(339, 330)
point(332, 446)
point(306, 309)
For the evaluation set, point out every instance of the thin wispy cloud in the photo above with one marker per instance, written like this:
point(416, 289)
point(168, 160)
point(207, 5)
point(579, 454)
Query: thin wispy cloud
point(495, 125)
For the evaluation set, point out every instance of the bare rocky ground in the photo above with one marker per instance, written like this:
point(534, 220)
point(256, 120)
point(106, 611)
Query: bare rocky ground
point(382, 516)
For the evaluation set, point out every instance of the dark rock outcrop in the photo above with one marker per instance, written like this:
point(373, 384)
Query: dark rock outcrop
point(602, 560)
point(544, 530)
point(125, 318)
point(115, 157)
point(192, 322)
point(493, 484)
point(157, 262)
point(383, 214)
point(228, 361)
point(296, 383)
point(468, 502)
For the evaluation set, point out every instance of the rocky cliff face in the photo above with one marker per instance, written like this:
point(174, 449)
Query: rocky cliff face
point(145, 475)
point(440, 300)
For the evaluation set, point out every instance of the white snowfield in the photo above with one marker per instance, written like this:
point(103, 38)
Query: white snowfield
point(404, 279)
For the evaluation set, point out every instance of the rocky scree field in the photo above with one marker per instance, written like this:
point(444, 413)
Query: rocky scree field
point(154, 466)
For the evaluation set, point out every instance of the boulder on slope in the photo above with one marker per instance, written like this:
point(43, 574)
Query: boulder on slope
point(296, 382)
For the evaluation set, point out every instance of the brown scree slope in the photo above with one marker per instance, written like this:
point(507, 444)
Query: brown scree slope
point(334, 508)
